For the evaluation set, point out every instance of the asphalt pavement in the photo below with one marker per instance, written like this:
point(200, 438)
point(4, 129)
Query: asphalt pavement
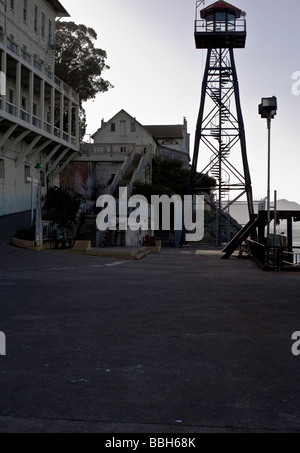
point(180, 342)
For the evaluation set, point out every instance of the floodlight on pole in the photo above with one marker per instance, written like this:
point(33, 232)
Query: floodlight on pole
point(268, 110)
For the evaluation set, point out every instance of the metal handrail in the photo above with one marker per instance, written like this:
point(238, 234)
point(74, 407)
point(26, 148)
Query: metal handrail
point(205, 26)
point(271, 257)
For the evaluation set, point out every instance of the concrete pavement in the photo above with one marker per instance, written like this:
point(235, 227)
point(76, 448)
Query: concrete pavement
point(180, 342)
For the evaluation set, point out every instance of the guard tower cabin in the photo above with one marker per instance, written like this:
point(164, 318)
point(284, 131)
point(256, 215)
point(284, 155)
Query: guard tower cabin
point(221, 26)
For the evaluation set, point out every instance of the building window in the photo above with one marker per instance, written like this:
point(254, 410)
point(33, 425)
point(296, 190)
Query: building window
point(43, 25)
point(50, 32)
point(27, 174)
point(36, 13)
point(2, 169)
point(12, 4)
point(11, 96)
point(122, 128)
point(132, 127)
point(25, 11)
point(113, 127)
point(43, 179)
point(23, 103)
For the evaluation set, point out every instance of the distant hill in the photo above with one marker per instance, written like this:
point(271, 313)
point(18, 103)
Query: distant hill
point(239, 211)
point(286, 205)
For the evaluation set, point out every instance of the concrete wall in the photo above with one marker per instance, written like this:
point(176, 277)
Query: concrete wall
point(15, 190)
point(89, 178)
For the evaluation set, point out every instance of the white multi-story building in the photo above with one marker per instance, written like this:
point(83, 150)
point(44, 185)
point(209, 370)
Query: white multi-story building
point(39, 114)
point(122, 153)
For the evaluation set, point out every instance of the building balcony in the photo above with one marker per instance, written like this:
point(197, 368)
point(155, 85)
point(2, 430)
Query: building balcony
point(36, 99)
point(9, 114)
point(39, 67)
point(105, 152)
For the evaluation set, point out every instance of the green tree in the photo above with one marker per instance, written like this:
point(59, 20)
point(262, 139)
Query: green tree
point(62, 206)
point(169, 178)
point(79, 63)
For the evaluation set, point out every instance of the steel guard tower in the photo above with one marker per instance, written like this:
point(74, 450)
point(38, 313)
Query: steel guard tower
point(220, 28)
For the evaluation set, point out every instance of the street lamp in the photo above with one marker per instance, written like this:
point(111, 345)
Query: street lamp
point(268, 109)
point(38, 222)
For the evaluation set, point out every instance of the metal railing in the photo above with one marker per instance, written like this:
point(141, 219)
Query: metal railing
point(119, 176)
point(140, 170)
point(275, 258)
point(11, 108)
point(48, 230)
point(206, 26)
point(36, 122)
point(30, 60)
point(112, 149)
point(12, 46)
point(24, 116)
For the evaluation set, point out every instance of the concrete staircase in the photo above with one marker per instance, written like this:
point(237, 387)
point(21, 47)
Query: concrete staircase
point(125, 181)
point(88, 230)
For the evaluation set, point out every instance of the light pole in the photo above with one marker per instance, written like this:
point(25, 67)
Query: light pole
point(268, 109)
point(38, 222)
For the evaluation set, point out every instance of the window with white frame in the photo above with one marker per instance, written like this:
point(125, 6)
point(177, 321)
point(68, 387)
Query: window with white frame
point(25, 11)
point(27, 174)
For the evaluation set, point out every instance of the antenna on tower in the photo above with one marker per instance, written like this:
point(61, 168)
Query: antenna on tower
point(199, 4)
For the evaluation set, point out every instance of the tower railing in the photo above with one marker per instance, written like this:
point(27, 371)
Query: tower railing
point(236, 26)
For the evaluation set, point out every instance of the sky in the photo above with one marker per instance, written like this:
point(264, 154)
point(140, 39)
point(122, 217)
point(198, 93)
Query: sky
point(157, 74)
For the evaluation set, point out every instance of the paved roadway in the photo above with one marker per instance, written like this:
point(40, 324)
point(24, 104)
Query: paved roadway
point(180, 342)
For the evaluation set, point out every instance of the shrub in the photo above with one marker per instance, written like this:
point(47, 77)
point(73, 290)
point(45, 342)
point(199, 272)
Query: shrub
point(26, 234)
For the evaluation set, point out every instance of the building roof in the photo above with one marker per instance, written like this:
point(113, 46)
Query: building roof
point(58, 7)
point(104, 124)
point(221, 5)
point(169, 131)
point(157, 132)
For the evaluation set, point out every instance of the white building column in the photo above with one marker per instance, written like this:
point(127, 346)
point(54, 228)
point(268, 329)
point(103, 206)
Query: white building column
point(31, 93)
point(3, 79)
point(52, 109)
point(70, 120)
point(77, 125)
point(3, 61)
point(62, 110)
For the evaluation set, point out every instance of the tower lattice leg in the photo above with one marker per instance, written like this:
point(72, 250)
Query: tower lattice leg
point(219, 133)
